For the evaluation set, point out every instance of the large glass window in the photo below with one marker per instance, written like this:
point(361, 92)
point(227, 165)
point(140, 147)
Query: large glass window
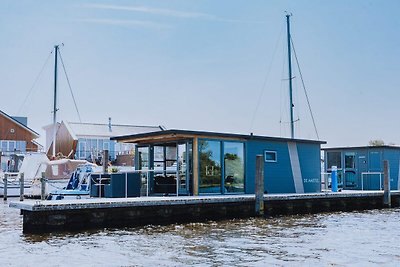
point(11, 145)
point(234, 167)
point(143, 157)
point(349, 160)
point(182, 165)
point(4, 146)
point(143, 164)
point(82, 149)
point(106, 145)
point(334, 159)
point(210, 166)
point(158, 160)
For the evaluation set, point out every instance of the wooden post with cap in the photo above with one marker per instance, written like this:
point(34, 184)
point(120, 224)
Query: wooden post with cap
point(386, 184)
point(259, 188)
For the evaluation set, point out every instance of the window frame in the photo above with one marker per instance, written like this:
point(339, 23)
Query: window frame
point(271, 160)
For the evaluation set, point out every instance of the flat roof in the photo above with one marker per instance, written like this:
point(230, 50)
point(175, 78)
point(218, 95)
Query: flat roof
point(361, 147)
point(187, 133)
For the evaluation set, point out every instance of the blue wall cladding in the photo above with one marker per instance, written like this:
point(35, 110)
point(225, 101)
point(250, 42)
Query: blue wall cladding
point(278, 177)
point(310, 162)
point(393, 156)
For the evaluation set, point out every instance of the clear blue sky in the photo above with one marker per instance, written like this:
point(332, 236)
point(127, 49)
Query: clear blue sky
point(201, 65)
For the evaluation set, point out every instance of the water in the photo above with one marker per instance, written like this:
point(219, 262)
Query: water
point(370, 238)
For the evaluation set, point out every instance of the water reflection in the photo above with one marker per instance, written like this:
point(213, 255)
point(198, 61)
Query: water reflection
point(361, 238)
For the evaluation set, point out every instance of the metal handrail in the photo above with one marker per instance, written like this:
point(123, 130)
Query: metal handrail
point(371, 173)
point(326, 179)
point(138, 171)
point(126, 180)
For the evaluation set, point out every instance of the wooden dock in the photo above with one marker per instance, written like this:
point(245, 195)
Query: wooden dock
point(95, 213)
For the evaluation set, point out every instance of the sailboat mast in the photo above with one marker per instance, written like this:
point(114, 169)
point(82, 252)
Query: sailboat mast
point(290, 76)
point(55, 101)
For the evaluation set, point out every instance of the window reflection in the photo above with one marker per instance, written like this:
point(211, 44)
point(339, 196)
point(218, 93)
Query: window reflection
point(234, 167)
point(210, 166)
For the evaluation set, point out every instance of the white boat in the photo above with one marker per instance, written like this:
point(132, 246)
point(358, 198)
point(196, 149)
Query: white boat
point(57, 174)
point(33, 164)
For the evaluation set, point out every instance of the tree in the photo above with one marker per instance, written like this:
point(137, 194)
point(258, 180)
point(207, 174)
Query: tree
point(376, 142)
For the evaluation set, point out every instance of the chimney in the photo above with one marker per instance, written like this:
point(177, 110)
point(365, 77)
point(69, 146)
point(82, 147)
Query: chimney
point(109, 124)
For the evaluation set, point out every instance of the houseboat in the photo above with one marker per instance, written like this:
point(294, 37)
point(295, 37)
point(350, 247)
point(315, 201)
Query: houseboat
point(361, 168)
point(198, 163)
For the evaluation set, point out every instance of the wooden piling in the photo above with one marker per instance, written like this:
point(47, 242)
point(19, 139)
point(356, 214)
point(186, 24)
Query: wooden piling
point(386, 184)
point(5, 186)
point(105, 161)
point(21, 187)
point(43, 186)
point(259, 189)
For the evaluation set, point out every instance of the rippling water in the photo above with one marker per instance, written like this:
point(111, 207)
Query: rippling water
point(370, 238)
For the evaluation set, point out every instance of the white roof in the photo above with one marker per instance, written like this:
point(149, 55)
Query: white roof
point(87, 130)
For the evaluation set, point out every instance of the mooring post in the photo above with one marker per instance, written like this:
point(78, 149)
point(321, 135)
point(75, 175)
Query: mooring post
point(5, 186)
point(386, 184)
point(21, 187)
point(43, 186)
point(334, 182)
point(259, 190)
point(126, 184)
point(105, 160)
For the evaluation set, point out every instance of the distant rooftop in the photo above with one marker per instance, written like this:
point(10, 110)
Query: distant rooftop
point(21, 121)
point(361, 147)
point(80, 129)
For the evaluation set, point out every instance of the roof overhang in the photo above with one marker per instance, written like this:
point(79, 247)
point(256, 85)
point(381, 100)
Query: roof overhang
point(176, 135)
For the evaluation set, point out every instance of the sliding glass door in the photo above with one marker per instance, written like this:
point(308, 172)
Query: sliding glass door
point(221, 167)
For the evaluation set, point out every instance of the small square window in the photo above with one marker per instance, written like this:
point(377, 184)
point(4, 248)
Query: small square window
point(270, 156)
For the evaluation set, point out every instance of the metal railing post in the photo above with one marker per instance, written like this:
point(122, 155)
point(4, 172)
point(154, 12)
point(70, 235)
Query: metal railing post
point(126, 185)
point(100, 186)
point(5, 186)
point(147, 182)
point(43, 186)
point(362, 181)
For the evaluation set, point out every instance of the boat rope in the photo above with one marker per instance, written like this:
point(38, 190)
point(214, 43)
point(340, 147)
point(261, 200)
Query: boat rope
point(265, 80)
point(34, 83)
point(304, 88)
point(69, 85)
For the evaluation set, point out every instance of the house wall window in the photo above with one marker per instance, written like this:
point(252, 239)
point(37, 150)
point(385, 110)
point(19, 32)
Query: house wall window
point(270, 156)
point(4, 146)
point(89, 148)
point(106, 145)
point(12, 145)
point(81, 149)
